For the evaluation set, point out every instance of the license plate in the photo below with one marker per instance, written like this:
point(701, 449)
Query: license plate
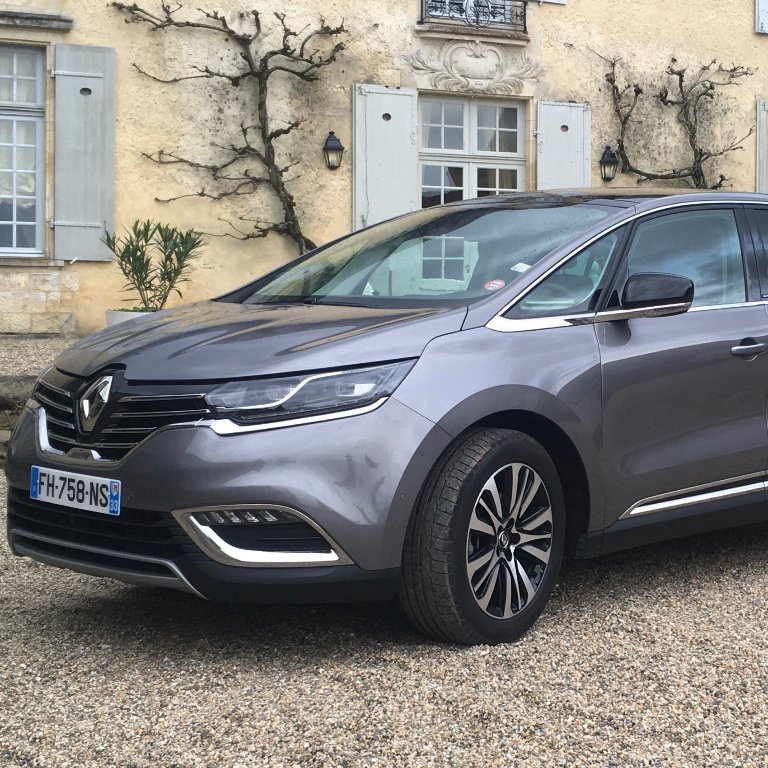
point(96, 494)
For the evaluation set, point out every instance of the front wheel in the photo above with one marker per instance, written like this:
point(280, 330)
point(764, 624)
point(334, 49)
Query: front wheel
point(484, 547)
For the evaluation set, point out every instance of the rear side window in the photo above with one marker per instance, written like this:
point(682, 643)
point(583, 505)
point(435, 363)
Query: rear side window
point(758, 218)
point(703, 246)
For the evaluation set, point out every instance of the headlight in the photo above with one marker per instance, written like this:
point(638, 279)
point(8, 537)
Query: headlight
point(262, 400)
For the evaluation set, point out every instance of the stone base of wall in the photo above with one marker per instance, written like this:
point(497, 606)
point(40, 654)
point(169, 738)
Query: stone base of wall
point(31, 299)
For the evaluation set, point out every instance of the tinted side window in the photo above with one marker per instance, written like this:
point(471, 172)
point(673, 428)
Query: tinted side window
point(703, 246)
point(572, 288)
point(758, 218)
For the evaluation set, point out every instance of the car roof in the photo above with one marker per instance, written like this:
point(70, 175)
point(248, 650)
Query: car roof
point(619, 197)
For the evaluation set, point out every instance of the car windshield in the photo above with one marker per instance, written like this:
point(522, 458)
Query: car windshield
point(435, 256)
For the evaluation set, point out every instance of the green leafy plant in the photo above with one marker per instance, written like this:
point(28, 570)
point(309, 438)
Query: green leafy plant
point(154, 258)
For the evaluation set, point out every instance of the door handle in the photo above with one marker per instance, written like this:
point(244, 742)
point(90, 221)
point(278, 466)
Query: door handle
point(749, 348)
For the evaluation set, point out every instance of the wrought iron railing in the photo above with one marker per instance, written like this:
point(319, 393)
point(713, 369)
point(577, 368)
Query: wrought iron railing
point(509, 14)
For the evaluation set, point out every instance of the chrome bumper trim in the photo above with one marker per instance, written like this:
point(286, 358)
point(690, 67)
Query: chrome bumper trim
point(216, 548)
point(175, 581)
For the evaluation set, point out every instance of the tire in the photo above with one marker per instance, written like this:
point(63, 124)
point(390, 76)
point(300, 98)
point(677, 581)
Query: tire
point(464, 579)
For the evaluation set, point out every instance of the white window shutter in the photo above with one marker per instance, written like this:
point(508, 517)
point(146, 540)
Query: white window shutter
point(385, 153)
point(84, 151)
point(762, 145)
point(563, 138)
point(761, 16)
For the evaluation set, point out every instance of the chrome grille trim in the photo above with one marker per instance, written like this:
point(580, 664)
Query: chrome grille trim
point(128, 419)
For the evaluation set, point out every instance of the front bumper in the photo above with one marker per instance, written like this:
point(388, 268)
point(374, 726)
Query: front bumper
point(356, 478)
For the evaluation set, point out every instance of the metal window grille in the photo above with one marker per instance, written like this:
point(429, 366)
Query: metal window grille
point(479, 13)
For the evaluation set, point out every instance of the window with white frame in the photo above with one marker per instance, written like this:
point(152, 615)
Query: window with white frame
point(470, 148)
point(22, 109)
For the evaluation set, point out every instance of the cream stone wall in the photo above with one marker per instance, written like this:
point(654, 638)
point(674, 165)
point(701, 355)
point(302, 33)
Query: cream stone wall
point(565, 45)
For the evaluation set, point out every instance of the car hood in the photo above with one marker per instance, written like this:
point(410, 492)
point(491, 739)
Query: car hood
point(214, 340)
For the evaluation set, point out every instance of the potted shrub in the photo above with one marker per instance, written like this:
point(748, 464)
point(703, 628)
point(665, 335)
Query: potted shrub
point(154, 258)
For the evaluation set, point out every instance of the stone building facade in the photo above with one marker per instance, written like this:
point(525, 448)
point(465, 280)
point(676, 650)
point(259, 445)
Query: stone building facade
point(435, 100)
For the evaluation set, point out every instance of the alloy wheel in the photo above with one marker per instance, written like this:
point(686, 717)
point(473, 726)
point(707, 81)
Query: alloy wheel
point(509, 540)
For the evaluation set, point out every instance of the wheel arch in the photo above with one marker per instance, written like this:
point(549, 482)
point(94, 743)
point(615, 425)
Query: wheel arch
point(566, 458)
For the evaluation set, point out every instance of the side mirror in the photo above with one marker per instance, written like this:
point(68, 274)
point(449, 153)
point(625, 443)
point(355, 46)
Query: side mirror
point(652, 294)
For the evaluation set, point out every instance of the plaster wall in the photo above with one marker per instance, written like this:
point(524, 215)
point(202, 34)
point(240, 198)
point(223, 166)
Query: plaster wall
point(566, 42)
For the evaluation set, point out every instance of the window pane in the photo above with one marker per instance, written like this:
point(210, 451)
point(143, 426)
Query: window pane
point(25, 236)
point(507, 141)
point(508, 117)
point(26, 133)
point(433, 248)
point(453, 196)
point(26, 91)
point(6, 236)
point(432, 138)
point(25, 158)
point(454, 138)
point(431, 268)
point(486, 117)
point(26, 65)
point(6, 209)
point(486, 178)
point(454, 269)
point(486, 140)
point(6, 63)
point(507, 179)
point(6, 131)
point(6, 183)
point(430, 175)
point(454, 177)
point(486, 192)
point(430, 197)
point(6, 89)
point(431, 113)
point(25, 184)
point(6, 158)
point(700, 245)
point(453, 114)
point(25, 210)
point(572, 287)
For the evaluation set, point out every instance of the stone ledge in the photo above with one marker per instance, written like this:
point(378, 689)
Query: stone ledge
point(448, 30)
point(15, 391)
point(31, 20)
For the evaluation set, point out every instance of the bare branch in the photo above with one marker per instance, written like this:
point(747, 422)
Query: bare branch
point(691, 91)
point(301, 54)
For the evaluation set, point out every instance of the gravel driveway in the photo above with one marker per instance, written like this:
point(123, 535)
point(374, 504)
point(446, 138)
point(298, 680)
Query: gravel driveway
point(653, 657)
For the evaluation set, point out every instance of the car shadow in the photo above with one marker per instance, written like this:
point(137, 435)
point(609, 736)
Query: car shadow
point(173, 626)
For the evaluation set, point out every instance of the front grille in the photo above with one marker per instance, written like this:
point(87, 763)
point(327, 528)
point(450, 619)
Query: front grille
point(131, 415)
point(134, 531)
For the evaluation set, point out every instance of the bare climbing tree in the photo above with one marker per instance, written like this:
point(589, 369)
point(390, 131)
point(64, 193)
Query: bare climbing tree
point(687, 93)
point(251, 160)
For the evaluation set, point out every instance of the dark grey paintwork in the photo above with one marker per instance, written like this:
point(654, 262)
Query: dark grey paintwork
point(650, 406)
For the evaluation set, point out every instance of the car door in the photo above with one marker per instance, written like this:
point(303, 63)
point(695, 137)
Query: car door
point(684, 397)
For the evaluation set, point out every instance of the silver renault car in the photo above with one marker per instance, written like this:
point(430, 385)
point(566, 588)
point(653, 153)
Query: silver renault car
point(440, 407)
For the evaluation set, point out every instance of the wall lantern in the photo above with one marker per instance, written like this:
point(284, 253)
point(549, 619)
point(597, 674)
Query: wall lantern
point(608, 165)
point(333, 149)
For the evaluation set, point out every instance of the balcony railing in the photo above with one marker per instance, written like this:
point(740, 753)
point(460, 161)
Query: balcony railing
point(509, 14)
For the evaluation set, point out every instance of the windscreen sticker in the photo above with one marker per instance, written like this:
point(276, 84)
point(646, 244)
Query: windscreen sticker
point(520, 267)
point(494, 285)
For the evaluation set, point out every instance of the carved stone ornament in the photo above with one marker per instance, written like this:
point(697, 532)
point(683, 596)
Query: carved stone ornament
point(475, 67)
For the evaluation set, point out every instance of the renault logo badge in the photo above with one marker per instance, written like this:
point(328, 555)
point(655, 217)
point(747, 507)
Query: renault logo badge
point(92, 403)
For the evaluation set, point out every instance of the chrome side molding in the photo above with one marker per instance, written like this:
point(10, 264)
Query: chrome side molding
point(700, 494)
